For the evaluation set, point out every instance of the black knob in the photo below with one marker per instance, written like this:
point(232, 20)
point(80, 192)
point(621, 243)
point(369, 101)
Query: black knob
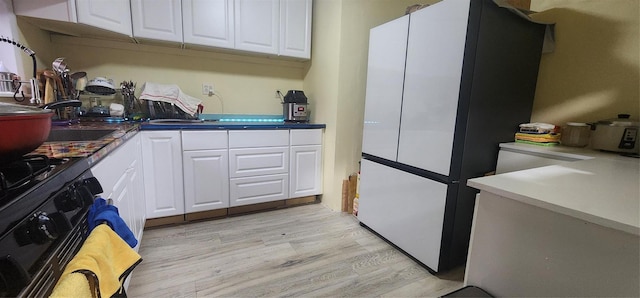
point(68, 200)
point(41, 228)
point(13, 277)
point(93, 185)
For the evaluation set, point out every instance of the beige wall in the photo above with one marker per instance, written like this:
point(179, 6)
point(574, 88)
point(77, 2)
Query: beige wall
point(245, 85)
point(594, 72)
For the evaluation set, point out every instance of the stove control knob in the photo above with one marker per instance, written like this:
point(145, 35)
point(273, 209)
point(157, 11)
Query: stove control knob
point(69, 200)
point(93, 185)
point(42, 228)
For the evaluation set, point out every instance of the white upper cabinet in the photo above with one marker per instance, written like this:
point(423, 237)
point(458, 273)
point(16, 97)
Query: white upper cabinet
point(110, 15)
point(272, 27)
point(64, 11)
point(208, 23)
point(157, 19)
point(257, 25)
point(295, 28)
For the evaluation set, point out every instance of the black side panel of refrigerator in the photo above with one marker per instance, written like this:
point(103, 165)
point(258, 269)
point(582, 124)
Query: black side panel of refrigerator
point(500, 70)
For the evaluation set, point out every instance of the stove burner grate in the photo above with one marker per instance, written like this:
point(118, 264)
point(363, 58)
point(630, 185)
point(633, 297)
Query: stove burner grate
point(23, 172)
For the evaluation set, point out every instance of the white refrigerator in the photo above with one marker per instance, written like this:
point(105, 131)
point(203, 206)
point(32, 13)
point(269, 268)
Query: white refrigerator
point(445, 85)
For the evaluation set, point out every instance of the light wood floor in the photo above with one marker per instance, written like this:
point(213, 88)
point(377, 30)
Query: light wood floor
point(301, 251)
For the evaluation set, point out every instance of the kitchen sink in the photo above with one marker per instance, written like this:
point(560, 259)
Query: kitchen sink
point(66, 135)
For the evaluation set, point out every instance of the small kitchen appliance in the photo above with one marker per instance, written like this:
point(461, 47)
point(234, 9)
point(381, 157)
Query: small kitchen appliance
point(295, 107)
point(616, 135)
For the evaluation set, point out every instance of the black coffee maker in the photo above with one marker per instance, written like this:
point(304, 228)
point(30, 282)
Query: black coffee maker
point(295, 107)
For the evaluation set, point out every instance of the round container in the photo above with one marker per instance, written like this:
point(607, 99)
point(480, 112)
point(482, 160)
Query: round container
point(575, 134)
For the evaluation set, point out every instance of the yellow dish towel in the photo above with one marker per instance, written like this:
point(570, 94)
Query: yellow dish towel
point(74, 285)
point(104, 257)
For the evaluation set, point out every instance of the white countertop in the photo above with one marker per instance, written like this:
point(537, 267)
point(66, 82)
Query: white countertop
point(598, 187)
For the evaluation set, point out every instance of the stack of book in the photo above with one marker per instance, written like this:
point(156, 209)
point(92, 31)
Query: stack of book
point(543, 134)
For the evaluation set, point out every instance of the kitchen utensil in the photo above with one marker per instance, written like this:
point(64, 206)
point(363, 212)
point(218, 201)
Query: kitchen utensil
point(81, 84)
point(575, 134)
point(49, 93)
point(101, 86)
point(61, 91)
point(22, 129)
point(77, 75)
point(616, 135)
point(59, 65)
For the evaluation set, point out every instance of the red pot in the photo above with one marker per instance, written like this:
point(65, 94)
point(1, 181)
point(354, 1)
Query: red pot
point(22, 130)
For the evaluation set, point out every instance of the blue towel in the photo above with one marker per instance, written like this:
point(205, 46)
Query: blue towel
point(101, 212)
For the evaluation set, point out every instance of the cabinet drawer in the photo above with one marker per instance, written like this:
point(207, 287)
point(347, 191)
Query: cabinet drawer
point(258, 138)
point(204, 140)
point(306, 137)
point(258, 161)
point(259, 189)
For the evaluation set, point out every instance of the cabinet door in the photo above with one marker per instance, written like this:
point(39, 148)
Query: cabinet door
point(406, 209)
point(258, 161)
point(257, 24)
point(204, 140)
point(112, 15)
point(137, 187)
point(258, 189)
point(258, 138)
point(435, 52)
point(157, 19)
point(120, 174)
point(206, 180)
point(385, 79)
point(208, 22)
point(295, 28)
point(57, 10)
point(122, 197)
point(306, 171)
point(163, 184)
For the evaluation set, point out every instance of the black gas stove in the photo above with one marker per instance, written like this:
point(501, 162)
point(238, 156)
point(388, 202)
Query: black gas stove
point(43, 206)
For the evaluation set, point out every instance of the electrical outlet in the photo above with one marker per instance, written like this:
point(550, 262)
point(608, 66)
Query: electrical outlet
point(207, 89)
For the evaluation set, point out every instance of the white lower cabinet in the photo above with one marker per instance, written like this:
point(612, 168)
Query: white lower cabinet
point(305, 169)
point(201, 170)
point(162, 158)
point(205, 160)
point(258, 166)
point(120, 174)
point(258, 189)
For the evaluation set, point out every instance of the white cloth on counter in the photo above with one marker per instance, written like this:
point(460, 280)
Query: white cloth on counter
point(170, 93)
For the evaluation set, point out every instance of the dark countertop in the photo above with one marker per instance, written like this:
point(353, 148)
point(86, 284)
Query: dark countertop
point(224, 125)
point(94, 150)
